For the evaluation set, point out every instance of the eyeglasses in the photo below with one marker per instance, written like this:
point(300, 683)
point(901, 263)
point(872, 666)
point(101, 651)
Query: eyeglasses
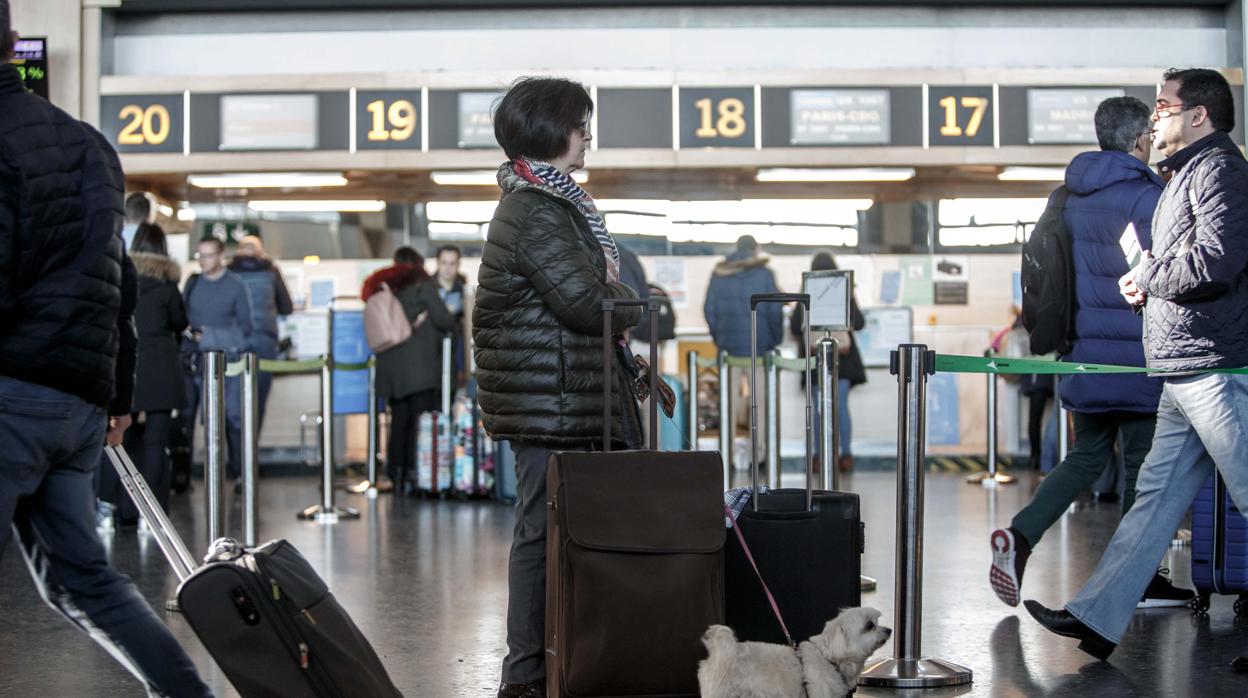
point(1163, 111)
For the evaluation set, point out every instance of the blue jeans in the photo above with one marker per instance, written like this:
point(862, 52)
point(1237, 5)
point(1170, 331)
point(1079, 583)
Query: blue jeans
point(1202, 423)
point(52, 443)
point(816, 406)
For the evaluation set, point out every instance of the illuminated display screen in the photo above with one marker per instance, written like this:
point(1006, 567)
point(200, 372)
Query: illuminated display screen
point(476, 119)
point(1064, 115)
point(30, 55)
point(268, 122)
point(839, 117)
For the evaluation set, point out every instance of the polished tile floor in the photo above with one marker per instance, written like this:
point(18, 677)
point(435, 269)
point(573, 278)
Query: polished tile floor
point(427, 583)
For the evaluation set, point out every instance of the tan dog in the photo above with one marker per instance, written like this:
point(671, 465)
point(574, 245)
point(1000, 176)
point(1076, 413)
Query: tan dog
point(825, 666)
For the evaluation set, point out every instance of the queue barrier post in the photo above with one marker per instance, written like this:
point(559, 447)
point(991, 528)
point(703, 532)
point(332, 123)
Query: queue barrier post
point(369, 486)
point(992, 477)
point(911, 363)
point(251, 435)
point(214, 443)
point(727, 421)
point(692, 400)
point(771, 433)
point(327, 512)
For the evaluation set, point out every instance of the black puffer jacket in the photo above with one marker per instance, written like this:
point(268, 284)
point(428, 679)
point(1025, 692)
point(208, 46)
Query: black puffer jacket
point(1196, 315)
point(160, 318)
point(537, 326)
point(67, 288)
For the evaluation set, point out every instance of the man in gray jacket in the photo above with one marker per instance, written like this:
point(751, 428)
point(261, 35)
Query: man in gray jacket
point(1193, 287)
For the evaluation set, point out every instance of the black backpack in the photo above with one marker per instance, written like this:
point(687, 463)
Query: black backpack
point(1048, 280)
point(667, 317)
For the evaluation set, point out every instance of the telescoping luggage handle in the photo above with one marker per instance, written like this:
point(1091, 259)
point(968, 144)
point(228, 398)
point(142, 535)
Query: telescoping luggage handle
point(755, 300)
point(653, 306)
point(166, 536)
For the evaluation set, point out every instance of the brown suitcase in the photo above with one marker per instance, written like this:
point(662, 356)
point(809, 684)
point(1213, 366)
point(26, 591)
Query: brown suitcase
point(634, 565)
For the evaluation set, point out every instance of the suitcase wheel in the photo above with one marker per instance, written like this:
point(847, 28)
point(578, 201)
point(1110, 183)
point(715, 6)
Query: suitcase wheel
point(1200, 604)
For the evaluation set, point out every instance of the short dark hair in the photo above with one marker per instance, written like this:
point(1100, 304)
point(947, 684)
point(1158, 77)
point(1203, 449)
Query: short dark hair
point(408, 255)
point(6, 30)
point(538, 115)
point(150, 238)
point(214, 241)
point(1202, 87)
point(823, 261)
point(450, 248)
point(138, 207)
point(1120, 121)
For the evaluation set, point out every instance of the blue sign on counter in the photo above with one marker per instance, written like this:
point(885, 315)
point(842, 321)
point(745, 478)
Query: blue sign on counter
point(350, 347)
point(942, 410)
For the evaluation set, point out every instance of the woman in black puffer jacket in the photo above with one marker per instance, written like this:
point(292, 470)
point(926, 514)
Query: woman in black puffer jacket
point(159, 387)
point(537, 325)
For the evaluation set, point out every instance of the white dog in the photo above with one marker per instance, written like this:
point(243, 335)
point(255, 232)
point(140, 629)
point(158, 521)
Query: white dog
point(825, 666)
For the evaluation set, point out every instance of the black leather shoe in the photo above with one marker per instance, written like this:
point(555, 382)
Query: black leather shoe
point(537, 689)
point(1066, 625)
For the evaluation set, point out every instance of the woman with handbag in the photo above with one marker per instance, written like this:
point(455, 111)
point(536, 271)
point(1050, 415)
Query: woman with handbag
point(548, 264)
point(851, 371)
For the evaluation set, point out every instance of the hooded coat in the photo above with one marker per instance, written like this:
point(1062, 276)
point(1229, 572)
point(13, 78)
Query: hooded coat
point(160, 318)
point(415, 365)
point(269, 299)
point(1109, 191)
point(727, 307)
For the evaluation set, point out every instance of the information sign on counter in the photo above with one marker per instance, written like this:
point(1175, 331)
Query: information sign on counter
point(1064, 115)
point(839, 117)
point(829, 292)
point(144, 123)
point(717, 117)
point(885, 328)
point(387, 120)
point(476, 119)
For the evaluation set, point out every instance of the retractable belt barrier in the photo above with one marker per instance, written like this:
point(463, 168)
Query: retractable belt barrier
point(280, 366)
point(954, 363)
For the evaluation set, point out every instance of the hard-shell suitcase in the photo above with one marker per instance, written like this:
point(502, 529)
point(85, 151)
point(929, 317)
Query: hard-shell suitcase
point(433, 454)
point(1219, 546)
point(266, 617)
point(634, 560)
point(807, 543)
point(671, 430)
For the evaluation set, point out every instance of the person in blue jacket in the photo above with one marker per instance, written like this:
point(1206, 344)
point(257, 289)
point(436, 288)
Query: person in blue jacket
point(1113, 194)
point(741, 275)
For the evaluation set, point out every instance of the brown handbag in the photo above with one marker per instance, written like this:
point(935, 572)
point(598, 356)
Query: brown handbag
point(634, 566)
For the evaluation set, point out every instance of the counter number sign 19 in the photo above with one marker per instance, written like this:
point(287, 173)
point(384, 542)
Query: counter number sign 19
point(388, 120)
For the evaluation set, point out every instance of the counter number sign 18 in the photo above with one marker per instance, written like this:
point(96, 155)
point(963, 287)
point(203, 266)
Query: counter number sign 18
point(717, 117)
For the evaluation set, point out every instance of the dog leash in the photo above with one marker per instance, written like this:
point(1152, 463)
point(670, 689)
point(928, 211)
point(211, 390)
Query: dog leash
point(736, 527)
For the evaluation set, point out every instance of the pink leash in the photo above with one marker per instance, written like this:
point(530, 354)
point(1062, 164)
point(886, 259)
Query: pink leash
point(749, 556)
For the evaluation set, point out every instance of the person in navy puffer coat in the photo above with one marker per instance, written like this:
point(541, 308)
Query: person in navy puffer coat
point(1112, 193)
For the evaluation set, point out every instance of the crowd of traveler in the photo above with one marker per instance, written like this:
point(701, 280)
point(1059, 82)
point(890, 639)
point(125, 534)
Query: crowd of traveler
point(89, 292)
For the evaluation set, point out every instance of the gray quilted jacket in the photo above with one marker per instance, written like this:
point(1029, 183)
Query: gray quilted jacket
point(1197, 282)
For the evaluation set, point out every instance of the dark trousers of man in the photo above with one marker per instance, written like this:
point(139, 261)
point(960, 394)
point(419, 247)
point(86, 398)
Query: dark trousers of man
point(52, 442)
point(1090, 454)
point(404, 429)
point(145, 441)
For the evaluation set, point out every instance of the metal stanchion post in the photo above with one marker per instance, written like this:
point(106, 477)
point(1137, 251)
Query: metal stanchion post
point(448, 394)
point(214, 443)
point(771, 388)
point(368, 487)
point(727, 421)
point(1063, 436)
point(829, 427)
point(692, 401)
point(908, 668)
point(251, 436)
point(327, 512)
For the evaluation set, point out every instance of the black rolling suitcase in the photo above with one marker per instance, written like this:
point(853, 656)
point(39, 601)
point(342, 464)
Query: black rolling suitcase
point(264, 614)
point(807, 543)
point(634, 563)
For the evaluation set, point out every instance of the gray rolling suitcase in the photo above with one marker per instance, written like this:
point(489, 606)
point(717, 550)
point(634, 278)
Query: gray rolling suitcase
point(264, 614)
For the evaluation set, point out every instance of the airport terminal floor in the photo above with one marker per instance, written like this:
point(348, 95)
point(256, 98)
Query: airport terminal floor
point(426, 581)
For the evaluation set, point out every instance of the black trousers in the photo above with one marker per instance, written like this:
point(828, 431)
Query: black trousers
point(404, 421)
point(146, 443)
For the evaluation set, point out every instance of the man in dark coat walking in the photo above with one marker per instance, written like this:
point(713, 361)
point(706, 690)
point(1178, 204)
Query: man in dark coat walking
point(1112, 197)
point(1193, 287)
point(67, 348)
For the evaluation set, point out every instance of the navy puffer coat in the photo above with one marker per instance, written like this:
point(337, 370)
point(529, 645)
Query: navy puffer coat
point(1197, 288)
point(1109, 190)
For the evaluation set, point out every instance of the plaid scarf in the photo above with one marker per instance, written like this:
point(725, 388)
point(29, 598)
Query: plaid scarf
point(521, 172)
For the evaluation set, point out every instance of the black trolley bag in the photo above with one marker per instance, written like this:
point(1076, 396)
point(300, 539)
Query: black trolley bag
point(807, 543)
point(264, 614)
point(634, 559)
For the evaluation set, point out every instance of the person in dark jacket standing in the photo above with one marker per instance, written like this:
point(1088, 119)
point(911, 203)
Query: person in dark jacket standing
point(452, 291)
point(548, 264)
point(409, 375)
point(850, 370)
point(1193, 286)
point(160, 318)
point(727, 308)
point(1112, 197)
point(269, 299)
point(67, 348)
